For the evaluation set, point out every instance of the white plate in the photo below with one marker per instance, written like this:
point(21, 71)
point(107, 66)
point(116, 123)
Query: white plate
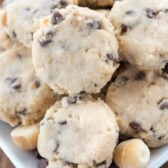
point(22, 159)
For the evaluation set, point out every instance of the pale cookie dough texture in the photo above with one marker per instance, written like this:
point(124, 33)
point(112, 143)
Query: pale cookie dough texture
point(96, 3)
point(142, 28)
point(76, 50)
point(140, 101)
point(23, 16)
point(24, 98)
point(78, 133)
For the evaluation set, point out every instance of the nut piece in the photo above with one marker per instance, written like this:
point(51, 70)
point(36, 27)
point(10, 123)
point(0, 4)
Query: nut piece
point(132, 154)
point(26, 137)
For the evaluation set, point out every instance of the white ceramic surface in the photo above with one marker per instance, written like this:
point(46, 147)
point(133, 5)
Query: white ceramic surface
point(22, 159)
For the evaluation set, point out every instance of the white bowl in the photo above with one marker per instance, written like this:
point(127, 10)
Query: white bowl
point(23, 159)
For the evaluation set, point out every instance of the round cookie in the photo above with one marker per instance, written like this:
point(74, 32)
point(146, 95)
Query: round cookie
point(96, 3)
point(142, 28)
point(23, 17)
point(140, 101)
point(78, 132)
point(80, 58)
point(24, 98)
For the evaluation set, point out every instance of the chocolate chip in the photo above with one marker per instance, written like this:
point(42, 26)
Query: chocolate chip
point(129, 12)
point(165, 69)
point(160, 137)
point(152, 129)
point(123, 137)
point(36, 83)
point(109, 57)
point(56, 146)
point(62, 122)
point(72, 100)
point(164, 104)
point(22, 111)
point(42, 163)
point(16, 87)
point(140, 76)
point(94, 24)
point(56, 18)
point(13, 34)
point(63, 3)
point(150, 13)
point(124, 29)
point(135, 126)
point(45, 42)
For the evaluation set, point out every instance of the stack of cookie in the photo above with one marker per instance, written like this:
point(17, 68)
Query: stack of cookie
point(89, 76)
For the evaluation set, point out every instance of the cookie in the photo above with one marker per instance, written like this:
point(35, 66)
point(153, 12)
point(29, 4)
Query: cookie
point(7, 37)
point(78, 132)
point(81, 58)
point(24, 98)
point(142, 28)
point(96, 3)
point(23, 17)
point(105, 12)
point(140, 102)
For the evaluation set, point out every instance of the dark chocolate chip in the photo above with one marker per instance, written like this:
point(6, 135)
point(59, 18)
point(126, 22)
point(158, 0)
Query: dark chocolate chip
point(152, 129)
point(45, 42)
point(42, 163)
point(164, 105)
point(109, 56)
point(124, 29)
point(94, 24)
point(150, 13)
point(56, 18)
point(56, 146)
point(62, 122)
point(17, 86)
point(160, 137)
point(165, 69)
point(140, 76)
point(22, 111)
point(135, 126)
point(63, 3)
point(129, 12)
point(36, 83)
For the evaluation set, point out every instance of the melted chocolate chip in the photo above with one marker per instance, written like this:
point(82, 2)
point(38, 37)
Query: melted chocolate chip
point(42, 163)
point(150, 13)
point(129, 12)
point(56, 18)
point(56, 147)
point(62, 122)
point(22, 111)
point(94, 24)
point(140, 76)
point(164, 104)
point(124, 29)
point(135, 126)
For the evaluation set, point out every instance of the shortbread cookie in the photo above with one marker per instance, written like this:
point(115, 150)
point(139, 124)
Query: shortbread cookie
point(78, 133)
point(96, 3)
point(142, 28)
point(140, 102)
point(24, 98)
point(75, 50)
point(23, 17)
